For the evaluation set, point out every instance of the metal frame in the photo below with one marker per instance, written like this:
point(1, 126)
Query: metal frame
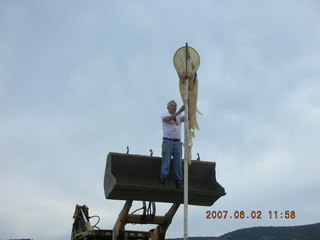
point(158, 233)
point(83, 230)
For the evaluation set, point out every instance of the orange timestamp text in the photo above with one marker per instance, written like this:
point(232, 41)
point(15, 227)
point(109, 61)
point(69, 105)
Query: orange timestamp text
point(224, 214)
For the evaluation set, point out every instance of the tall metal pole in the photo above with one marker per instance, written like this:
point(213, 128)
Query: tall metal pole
point(186, 146)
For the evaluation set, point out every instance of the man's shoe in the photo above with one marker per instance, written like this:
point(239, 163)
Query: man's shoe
point(178, 184)
point(162, 182)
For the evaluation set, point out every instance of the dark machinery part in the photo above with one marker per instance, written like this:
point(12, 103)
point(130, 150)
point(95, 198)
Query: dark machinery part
point(136, 177)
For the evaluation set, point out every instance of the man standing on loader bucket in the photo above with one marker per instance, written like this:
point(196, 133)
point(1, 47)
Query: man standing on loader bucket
point(171, 144)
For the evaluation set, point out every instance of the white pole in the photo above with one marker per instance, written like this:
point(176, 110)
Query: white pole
point(186, 151)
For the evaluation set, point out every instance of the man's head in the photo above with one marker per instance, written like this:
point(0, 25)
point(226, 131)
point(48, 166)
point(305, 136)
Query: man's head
point(172, 107)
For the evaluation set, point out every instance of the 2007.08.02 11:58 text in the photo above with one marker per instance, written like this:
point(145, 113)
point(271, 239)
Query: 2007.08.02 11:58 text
point(253, 214)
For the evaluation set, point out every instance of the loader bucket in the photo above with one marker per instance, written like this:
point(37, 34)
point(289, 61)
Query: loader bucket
point(136, 177)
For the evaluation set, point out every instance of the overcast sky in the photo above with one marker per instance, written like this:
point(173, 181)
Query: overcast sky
point(79, 79)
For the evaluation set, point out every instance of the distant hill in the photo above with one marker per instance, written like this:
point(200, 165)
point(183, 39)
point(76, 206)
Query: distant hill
point(305, 232)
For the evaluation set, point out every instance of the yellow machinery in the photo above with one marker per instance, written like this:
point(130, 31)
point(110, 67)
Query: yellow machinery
point(135, 177)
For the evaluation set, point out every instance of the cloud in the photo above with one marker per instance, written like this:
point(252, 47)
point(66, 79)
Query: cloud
point(78, 81)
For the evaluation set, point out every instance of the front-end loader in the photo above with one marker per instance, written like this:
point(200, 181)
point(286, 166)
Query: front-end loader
point(131, 178)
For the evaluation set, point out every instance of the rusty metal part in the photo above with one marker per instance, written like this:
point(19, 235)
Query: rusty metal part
point(136, 177)
point(118, 229)
point(160, 232)
point(157, 234)
point(81, 231)
point(81, 221)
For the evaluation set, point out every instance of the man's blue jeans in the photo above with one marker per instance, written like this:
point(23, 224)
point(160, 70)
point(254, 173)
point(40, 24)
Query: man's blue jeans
point(171, 149)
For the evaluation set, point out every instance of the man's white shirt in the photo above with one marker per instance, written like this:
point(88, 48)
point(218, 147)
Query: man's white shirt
point(172, 128)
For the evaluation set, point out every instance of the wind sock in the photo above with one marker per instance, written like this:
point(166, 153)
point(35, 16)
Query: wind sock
point(186, 62)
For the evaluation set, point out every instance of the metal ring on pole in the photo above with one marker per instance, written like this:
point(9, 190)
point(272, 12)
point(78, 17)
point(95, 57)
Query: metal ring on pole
point(184, 64)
